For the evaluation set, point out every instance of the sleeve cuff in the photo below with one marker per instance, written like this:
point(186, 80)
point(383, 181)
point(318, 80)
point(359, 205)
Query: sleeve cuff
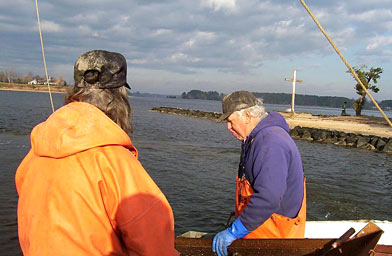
point(238, 229)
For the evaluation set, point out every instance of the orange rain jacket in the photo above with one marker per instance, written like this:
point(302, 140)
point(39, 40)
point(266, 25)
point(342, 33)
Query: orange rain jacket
point(82, 191)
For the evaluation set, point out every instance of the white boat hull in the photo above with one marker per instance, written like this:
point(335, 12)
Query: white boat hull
point(333, 229)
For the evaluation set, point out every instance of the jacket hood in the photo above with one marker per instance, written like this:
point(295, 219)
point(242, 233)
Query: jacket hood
point(273, 119)
point(76, 127)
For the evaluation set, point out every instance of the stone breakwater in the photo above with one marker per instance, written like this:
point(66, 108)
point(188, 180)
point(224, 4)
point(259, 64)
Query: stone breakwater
point(188, 112)
point(340, 138)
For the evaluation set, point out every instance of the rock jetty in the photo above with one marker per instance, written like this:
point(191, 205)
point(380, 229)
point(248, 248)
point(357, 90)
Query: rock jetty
point(321, 135)
point(188, 112)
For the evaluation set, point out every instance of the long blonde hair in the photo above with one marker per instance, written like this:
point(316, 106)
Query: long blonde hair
point(113, 102)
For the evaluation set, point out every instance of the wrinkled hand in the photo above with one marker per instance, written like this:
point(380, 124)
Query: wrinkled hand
point(221, 241)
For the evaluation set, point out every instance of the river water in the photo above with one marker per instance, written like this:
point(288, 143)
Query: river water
point(194, 162)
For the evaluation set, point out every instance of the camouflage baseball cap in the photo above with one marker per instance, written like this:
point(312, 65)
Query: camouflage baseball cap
point(102, 69)
point(236, 101)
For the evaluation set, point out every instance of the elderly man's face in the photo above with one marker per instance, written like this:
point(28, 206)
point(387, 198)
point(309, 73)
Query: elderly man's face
point(237, 126)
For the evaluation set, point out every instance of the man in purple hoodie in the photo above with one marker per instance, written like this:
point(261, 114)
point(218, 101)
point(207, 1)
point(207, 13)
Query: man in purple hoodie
point(270, 193)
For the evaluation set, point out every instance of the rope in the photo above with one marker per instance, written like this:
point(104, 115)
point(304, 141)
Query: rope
point(43, 54)
point(345, 62)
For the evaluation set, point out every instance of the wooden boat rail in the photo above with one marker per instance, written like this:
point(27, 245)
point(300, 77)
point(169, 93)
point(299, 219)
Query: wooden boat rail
point(362, 244)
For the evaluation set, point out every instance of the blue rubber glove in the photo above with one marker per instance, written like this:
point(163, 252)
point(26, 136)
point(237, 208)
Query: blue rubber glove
point(224, 238)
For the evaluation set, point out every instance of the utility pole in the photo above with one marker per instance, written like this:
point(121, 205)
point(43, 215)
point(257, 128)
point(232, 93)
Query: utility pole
point(294, 80)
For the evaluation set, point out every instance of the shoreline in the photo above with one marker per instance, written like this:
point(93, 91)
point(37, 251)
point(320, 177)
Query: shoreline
point(25, 90)
point(363, 125)
point(366, 132)
point(33, 88)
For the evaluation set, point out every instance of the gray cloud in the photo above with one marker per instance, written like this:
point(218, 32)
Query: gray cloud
point(192, 37)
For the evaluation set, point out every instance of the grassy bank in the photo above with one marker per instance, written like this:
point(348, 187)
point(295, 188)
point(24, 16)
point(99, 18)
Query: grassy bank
point(32, 88)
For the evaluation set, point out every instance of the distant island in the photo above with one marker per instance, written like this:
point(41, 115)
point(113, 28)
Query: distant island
point(285, 99)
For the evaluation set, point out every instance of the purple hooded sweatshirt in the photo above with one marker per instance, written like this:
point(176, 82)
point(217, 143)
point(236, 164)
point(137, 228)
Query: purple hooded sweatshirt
point(271, 162)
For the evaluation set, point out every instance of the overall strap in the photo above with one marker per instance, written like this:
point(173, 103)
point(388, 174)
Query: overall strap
point(245, 147)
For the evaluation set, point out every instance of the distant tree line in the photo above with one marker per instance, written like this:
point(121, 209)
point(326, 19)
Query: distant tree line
point(368, 78)
point(285, 98)
point(304, 100)
point(11, 76)
point(196, 94)
point(385, 104)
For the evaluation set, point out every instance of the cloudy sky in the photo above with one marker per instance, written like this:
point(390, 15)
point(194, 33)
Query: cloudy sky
point(173, 46)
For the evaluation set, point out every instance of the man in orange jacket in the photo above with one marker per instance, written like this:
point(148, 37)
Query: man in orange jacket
point(82, 190)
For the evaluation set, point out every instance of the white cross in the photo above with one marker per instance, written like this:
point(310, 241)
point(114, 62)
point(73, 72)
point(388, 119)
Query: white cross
point(294, 79)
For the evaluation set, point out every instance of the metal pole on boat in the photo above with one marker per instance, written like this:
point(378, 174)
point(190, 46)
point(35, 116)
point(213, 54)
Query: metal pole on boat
point(345, 62)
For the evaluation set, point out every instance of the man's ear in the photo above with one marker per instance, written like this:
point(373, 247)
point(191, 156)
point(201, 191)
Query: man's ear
point(247, 116)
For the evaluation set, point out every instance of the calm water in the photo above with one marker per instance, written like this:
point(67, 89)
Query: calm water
point(194, 163)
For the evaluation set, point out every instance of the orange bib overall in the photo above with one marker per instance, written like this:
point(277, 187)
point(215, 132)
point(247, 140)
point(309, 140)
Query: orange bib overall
point(276, 226)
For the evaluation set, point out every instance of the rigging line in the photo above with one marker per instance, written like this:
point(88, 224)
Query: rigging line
point(345, 62)
point(43, 54)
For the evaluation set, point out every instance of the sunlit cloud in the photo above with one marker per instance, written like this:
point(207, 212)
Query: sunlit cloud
point(379, 42)
point(228, 5)
point(50, 26)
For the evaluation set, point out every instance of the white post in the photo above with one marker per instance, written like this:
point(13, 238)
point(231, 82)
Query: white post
point(294, 80)
point(293, 93)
